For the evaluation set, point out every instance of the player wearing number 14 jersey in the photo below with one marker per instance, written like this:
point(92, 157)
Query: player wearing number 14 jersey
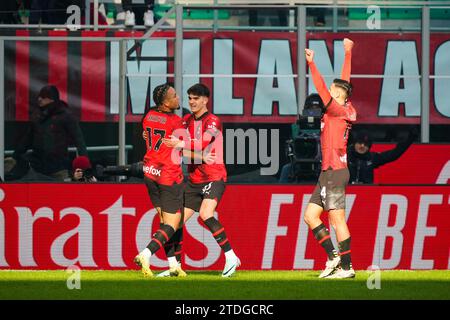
point(162, 170)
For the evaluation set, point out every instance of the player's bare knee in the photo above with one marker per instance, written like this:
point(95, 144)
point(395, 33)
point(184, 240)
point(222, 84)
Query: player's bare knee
point(311, 220)
point(307, 218)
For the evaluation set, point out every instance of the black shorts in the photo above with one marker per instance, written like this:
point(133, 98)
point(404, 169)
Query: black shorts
point(195, 193)
point(168, 198)
point(330, 189)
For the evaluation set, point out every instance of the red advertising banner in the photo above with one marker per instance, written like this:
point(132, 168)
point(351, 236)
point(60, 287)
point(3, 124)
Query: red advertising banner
point(386, 75)
point(102, 226)
point(420, 164)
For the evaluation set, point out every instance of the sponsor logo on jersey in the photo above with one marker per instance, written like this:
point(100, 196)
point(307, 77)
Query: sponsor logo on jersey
point(212, 125)
point(152, 170)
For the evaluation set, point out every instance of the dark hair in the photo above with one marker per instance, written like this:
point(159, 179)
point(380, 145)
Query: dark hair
point(344, 84)
point(159, 93)
point(363, 136)
point(50, 92)
point(199, 89)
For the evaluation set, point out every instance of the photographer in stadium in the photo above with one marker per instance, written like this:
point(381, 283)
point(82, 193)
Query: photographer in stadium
point(82, 170)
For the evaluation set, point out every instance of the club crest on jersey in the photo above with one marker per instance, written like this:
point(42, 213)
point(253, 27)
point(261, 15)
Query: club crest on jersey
point(207, 189)
point(152, 170)
point(343, 158)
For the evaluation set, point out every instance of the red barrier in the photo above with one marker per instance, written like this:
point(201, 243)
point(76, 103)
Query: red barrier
point(101, 226)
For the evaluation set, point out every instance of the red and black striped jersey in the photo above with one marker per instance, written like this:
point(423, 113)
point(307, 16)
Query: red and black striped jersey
point(336, 121)
point(162, 163)
point(335, 129)
point(205, 134)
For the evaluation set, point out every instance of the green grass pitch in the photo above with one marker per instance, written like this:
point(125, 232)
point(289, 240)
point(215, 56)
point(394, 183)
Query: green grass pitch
point(248, 285)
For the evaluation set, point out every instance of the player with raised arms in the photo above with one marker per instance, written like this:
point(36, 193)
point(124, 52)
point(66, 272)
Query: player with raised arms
point(329, 194)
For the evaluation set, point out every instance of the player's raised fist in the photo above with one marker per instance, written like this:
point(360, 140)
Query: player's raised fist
point(309, 54)
point(348, 44)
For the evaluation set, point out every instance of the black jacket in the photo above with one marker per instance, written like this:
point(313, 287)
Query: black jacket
point(52, 129)
point(361, 166)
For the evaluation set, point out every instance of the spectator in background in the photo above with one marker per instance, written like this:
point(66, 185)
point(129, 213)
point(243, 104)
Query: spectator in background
point(130, 10)
point(82, 170)
point(362, 162)
point(52, 129)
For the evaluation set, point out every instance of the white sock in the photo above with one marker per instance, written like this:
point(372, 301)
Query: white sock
point(146, 253)
point(230, 254)
point(172, 262)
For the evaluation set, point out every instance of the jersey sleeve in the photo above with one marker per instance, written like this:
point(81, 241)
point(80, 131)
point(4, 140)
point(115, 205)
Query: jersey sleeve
point(179, 130)
point(178, 123)
point(319, 83)
point(381, 158)
point(347, 66)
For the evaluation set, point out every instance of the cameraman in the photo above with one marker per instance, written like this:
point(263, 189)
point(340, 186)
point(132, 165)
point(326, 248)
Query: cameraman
point(82, 170)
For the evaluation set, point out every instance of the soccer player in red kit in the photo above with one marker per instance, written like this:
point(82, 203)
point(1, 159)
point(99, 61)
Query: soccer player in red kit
point(206, 183)
point(162, 170)
point(329, 194)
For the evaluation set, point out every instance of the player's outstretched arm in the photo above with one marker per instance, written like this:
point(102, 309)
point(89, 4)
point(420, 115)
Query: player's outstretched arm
point(319, 83)
point(347, 66)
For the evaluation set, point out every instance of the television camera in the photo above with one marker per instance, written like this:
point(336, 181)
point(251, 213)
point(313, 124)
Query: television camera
point(303, 150)
point(134, 170)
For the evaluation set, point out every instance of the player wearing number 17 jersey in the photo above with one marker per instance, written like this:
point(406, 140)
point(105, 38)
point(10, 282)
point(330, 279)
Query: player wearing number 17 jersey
point(162, 170)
